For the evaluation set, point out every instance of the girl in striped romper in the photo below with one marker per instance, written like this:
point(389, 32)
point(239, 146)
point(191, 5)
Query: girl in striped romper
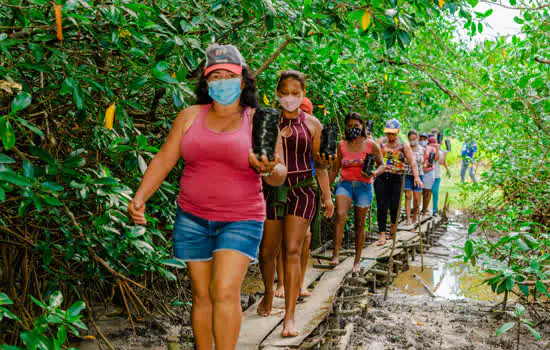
point(292, 207)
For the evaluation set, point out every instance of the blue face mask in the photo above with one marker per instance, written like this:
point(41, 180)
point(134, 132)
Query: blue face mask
point(225, 91)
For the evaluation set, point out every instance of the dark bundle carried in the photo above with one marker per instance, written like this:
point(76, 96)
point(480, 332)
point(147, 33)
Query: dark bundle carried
point(439, 137)
point(369, 126)
point(329, 139)
point(431, 158)
point(448, 145)
point(265, 130)
point(368, 164)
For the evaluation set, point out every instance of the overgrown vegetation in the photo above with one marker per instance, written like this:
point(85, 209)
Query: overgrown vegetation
point(65, 177)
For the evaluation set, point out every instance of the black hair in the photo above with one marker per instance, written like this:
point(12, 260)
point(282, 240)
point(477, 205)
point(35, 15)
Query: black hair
point(292, 74)
point(249, 95)
point(412, 132)
point(359, 118)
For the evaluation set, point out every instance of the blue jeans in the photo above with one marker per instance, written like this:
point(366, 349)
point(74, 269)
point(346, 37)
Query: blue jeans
point(197, 239)
point(467, 164)
point(435, 193)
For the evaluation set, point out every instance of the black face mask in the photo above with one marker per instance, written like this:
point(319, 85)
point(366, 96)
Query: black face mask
point(353, 133)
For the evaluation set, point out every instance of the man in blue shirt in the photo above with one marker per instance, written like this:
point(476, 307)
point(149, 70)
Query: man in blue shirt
point(469, 148)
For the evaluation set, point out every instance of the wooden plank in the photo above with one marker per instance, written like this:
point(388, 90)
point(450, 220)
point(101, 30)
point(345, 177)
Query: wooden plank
point(316, 308)
point(372, 251)
point(254, 328)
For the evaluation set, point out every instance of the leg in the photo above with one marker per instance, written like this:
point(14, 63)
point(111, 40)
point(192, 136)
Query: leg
point(416, 206)
point(293, 239)
point(426, 194)
point(280, 291)
point(304, 262)
point(395, 197)
point(360, 236)
point(228, 270)
point(269, 249)
point(408, 198)
point(463, 170)
point(382, 202)
point(472, 173)
point(201, 310)
point(435, 194)
point(343, 204)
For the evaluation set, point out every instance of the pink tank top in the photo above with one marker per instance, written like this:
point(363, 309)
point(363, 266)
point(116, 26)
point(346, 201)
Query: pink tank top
point(218, 183)
point(352, 163)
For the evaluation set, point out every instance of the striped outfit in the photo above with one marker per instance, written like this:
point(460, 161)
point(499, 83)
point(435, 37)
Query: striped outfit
point(297, 150)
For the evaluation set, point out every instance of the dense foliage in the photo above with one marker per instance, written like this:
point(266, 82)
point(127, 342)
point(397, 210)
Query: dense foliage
point(67, 169)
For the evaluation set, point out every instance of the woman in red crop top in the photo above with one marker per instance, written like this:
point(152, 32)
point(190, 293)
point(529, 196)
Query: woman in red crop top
point(220, 214)
point(354, 187)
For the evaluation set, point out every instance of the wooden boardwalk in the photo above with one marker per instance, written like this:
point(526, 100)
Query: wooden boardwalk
point(259, 332)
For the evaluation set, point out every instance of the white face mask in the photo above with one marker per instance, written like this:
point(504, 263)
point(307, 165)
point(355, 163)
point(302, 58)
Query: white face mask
point(423, 143)
point(291, 103)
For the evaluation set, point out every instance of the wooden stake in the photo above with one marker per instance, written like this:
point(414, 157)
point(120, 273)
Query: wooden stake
point(393, 232)
point(421, 249)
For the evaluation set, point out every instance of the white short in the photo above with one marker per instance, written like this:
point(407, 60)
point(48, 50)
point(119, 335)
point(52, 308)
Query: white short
point(428, 180)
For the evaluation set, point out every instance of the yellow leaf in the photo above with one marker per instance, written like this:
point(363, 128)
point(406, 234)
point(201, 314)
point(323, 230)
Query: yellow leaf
point(90, 337)
point(354, 86)
point(504, 53)
point(422, 104)
point(441, 3)
point(266, 100)
point(385, 77)
point(419, 323)
point(58, 21)
point(406, 92)
point(321, 106)
point(365, 20)
point(173, 75)
point(396, 20)
point(325, 112)
point(110, 116)
point(331, 94)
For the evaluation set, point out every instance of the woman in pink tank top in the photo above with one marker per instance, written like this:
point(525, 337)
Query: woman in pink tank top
point(354, 187)
point(220, 211)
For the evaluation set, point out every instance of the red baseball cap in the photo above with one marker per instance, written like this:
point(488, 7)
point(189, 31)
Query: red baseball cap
point(306, 105)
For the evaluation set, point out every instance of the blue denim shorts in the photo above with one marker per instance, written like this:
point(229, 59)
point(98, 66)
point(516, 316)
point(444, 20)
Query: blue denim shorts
point(409, 183)
point(196, 239)
point(361, 193)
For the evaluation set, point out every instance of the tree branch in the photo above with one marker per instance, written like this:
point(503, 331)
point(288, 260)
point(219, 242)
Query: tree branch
point(272, 57)
point(541, 60)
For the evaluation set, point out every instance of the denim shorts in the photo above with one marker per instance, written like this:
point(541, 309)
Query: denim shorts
point(196, 239)
point(361, 193)
point(409, 183)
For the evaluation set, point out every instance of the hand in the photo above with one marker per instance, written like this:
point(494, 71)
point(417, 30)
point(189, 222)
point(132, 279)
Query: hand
point(418, 182)
point(136, 209)
point(448, 173)
point(262, 165)
point(367, 176)
point(328, 206)
point(324, 160)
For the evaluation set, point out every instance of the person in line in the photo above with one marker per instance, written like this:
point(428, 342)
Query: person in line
point(307, 107)
point(388, 185)
point(437, 174)
point(218, 228)
point(412, 192)
point(291, 208)
point(469, 148)
point(355, 187)
point(428, 142)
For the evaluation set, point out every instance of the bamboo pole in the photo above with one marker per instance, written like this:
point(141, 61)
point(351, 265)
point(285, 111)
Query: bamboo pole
point(421, 248)
point(393, 232)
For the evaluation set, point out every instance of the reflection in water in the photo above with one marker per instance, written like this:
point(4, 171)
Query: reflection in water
point(448, 280)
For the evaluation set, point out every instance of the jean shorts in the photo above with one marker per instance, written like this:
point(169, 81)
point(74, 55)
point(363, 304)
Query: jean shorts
point(409, 183)
point(197, 239)
point(428, 180)
point(361, 193)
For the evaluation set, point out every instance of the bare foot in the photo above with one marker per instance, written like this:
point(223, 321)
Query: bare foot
point(263, 309)
point(334, 261)
point(305, 293)
point(382, 240)
point(356, 267)
point(279, 292)
point(289, 329)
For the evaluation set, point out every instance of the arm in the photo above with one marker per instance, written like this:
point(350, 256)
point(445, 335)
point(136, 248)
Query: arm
point(160, 166)
point(380, 168)
point(436, 158)
point(443, 161)
point(321, 165)
point(410, 159)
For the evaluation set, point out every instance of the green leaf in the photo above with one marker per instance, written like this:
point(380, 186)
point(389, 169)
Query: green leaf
point(52, 201)
point(269, 22)
point(62, 334)
point(174, 263)
point(505, 328)
point(524, 289)
point(56, 299)
point(4, 159)
point(5, 300)
point(14, 179)
point(42, 154)
point(541, 287)
point(532, 330)
point(21, 101)
point(52, 186)
point(138, 82)
point(468, 248)
point(2, 195)
point(142, 164)
point(473, 227)
point(6, 133)
point(10, 347)
point(517, 105)
point(75, 309)
point(137, 231)
point(31, 127)
point(404, 37)
point(519, 310)
point(3, 36)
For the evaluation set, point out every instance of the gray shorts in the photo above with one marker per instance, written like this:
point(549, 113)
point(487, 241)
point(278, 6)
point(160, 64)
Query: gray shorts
point(428, 180)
